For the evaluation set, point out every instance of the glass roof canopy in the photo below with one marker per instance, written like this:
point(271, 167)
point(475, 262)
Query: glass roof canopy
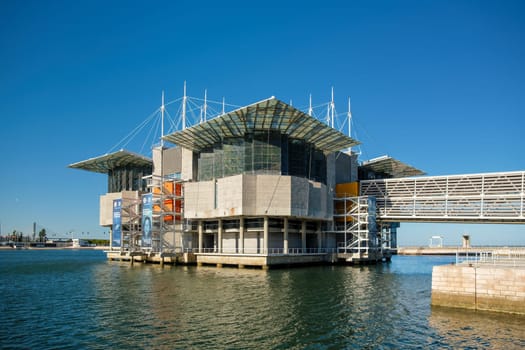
point(103, 164)
point(391, 166)
point(265, 115)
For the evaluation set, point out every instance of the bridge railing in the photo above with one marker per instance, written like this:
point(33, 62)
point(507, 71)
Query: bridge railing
point(497, 257)
point(490, 197)
point(269, 251)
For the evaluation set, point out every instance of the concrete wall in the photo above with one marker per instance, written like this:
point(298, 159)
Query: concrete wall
point(172, 161)
point(257, 195)
point(229, 200)
point(491, 288)
point(157, 164)
point(229, 242)
point(189, 165)
point(272, 196)
point(106, 205)
point(199, 199)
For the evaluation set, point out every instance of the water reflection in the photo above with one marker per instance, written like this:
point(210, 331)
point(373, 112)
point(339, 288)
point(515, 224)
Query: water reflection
point(457, 328)
point(83, 301)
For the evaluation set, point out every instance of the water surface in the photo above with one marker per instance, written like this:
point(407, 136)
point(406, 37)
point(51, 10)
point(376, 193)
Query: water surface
point(77, 300)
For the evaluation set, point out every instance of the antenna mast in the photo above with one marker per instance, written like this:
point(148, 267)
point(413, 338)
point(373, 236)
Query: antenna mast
point(205, 107)
point(310, 109)
point(223, 106)
point(184, 98)
point(349, 124)
point(162, 121)
point(332, 107)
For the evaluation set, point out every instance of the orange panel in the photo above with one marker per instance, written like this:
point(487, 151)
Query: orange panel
point(349, 189)
point(168, 186)
point(178, 189)
point(156, 190)
point(168, 204)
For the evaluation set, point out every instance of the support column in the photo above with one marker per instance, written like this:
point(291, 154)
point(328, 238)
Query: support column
point(219, 236)
point(303, 236)
point(241, 235)
point(200, 236)
point(265, 236)
point(285, 238)
point(319, 237)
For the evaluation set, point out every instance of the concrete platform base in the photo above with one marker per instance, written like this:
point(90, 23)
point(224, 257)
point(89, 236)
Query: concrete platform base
point(242, 260)
point(155, 258)
point(255, 260)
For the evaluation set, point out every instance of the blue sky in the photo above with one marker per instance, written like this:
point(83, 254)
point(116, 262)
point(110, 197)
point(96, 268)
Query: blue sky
point(437, 84)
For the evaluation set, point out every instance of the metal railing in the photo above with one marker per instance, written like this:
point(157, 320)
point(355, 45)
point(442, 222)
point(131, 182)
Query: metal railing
point(269, 251)
point(497, 257)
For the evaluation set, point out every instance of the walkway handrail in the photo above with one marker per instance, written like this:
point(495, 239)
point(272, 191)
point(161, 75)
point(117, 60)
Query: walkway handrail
point(496, 257)
point(269, 251)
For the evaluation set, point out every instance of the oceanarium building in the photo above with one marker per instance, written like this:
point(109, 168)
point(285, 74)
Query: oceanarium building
point(263, 185)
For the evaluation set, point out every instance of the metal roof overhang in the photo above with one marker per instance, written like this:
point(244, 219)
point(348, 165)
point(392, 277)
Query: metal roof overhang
point(103, 164)
point(391, 166)
point(269, 114)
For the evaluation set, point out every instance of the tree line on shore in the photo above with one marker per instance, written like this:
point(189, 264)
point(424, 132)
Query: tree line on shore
point(18, 236)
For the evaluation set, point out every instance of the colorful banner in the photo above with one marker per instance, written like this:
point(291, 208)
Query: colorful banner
point(116, 240)
point(147, 214)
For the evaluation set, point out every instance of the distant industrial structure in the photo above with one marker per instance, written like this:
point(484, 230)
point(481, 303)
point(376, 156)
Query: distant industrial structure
point(268, 184)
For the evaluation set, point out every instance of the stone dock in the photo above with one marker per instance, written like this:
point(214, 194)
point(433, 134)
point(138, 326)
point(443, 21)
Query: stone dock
point(488, 281)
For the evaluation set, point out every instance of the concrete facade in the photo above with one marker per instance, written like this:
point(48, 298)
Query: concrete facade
point(257, 195)
point(106, 205)
point(489, 288)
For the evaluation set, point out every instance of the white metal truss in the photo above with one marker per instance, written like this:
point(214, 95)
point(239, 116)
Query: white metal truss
point(168, 213)
point(489, 197)
point(355, 220)
point(130, 223)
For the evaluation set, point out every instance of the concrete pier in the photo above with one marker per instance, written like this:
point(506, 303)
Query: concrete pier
point(479, 287)
point(155, 258)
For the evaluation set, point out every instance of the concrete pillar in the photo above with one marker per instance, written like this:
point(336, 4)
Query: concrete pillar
point(219, 236)
point(319, 236)
point(265, 236)
point(200, 236)
point(241, 235)
point(303, 236)
point(466, 241)
point(285, 238)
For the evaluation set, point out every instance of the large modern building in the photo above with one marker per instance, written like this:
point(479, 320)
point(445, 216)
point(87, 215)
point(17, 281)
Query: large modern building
point(263, 185)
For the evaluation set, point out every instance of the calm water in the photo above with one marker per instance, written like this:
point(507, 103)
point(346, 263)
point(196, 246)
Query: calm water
point(77, 300)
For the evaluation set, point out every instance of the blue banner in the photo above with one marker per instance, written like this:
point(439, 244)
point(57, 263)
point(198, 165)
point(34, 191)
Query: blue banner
point(147, 214)
point(116, 240)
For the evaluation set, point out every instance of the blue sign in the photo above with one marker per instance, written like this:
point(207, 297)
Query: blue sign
point(147, 214)
point(116, 240)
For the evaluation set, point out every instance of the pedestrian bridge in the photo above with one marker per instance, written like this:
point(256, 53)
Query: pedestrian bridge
point(474, 198)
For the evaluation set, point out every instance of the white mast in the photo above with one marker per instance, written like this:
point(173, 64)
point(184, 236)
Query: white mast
point(223, 106)
point(205, 107)
point(349, 124)
point(310, 109)
point(184, 98)
point(332, 107)
point(162, 121)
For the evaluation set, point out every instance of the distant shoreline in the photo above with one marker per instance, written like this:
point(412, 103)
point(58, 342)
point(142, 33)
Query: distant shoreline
point(56, 248)
point(451, 250)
